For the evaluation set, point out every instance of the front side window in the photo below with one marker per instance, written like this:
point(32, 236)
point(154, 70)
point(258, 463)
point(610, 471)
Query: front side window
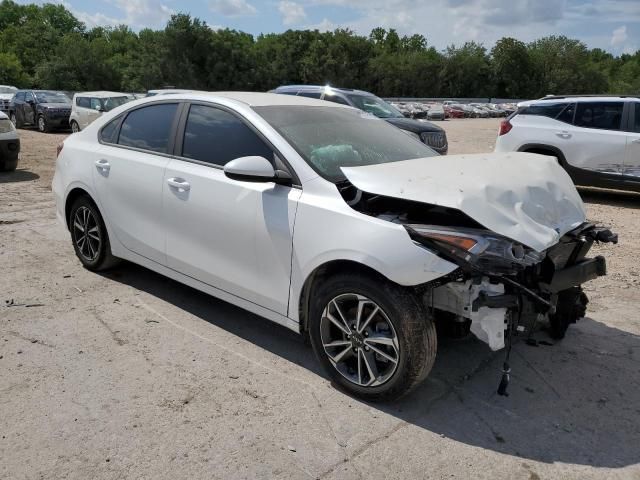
point(110, 103)
point(216, 136)
point(329, 138)
point(600, 115)
point(29, 97)
point(95, 104)
point(20, 96)
point(149, 127)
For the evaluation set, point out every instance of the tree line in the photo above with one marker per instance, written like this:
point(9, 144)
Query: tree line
point(46, 46)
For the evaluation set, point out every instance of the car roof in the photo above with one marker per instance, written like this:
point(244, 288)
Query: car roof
point(549, 99)
point(101, 94)
point(315, 88)
point(252, 99)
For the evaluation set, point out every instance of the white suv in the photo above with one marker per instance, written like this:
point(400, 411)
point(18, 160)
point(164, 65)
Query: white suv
point(596, 139)
point(87, 106)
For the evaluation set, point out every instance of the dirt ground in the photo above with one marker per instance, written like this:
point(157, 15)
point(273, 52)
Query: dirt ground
point(128, 375)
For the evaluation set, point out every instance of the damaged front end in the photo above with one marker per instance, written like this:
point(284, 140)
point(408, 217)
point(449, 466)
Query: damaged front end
point(502, 287)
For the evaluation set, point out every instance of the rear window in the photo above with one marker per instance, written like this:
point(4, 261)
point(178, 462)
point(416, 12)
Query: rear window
point(149, 127)
point(600, 115)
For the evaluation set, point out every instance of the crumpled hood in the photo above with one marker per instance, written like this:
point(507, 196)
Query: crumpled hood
point(523, 196)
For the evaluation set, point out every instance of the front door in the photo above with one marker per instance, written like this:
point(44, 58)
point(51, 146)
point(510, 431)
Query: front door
point(233, 235)
point(128, 178)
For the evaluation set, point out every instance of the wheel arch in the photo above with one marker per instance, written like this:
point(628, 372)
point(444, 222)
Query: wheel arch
point(72, 196)
point(329, 268)
point(544, 149)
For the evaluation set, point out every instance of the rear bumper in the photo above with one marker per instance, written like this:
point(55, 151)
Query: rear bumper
point(9, 149)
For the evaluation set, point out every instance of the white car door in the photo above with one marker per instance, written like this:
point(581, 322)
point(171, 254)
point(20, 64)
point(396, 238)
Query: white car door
point(129, 174)
point(233, 235)
point(632, 156)
point(595, 141)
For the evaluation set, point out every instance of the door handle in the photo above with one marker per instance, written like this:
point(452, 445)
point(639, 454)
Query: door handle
point(103, 165)
point(179, 183)
point(563, 134)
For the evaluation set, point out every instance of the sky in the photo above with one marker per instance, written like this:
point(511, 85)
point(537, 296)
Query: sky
point(613, 25)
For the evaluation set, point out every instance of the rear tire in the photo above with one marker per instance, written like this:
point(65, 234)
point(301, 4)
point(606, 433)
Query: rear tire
point(402, 329)
point(75, 128)
point(89, 236)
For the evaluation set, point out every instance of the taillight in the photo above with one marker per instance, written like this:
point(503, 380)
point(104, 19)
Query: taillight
point(59, 148)
point(505, 127)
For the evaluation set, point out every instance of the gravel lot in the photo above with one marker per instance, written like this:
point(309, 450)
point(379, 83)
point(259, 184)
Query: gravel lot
point(131, 375)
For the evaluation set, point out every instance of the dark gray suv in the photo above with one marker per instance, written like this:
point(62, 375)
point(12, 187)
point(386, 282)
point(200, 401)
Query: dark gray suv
point(427, 132)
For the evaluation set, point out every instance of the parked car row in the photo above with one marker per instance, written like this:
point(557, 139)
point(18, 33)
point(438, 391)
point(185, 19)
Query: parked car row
point(452, 109)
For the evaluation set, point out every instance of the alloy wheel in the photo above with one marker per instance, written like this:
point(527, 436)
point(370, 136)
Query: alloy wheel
point(14, 120)
point(41, 124)
point(86, 234)
point(359, 340)
point(75, 128)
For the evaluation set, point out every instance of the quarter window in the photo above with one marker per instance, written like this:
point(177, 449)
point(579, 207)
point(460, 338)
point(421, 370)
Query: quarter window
point(551, 110)
point(636, 126)
point(215, 136)
point(108, 132)
point(602, 115)
point(149, 127)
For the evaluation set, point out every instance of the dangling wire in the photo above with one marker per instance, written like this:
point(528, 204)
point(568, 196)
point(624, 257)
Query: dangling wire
point(506, 369)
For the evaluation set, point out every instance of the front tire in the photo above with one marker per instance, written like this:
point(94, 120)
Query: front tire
point(89, 236)
point(43, 125)
point(373, 338)
point(14, 120)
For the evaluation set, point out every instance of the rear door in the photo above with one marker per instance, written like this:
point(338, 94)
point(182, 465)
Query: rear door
point(128, 176)
point(632, 156)
point(82, 105)
point(595, 141)
point(233, 235)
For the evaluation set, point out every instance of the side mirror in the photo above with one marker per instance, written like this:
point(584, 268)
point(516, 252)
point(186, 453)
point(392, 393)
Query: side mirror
point(255, 169)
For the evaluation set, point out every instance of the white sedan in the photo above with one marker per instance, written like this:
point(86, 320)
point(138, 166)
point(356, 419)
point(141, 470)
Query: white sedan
point(333, 223)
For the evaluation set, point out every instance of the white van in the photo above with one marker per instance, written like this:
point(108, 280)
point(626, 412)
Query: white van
point(87, 106)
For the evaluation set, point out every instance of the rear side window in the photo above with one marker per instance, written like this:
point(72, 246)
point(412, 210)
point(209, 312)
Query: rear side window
point(215, 136)
point(149, 127)
point(82, 102)
point(601, 115)
point(108, 132)
point(310, 94)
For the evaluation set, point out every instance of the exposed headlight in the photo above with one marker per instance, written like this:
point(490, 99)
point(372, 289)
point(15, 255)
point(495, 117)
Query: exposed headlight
point(6, 126)
point(486, 250)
